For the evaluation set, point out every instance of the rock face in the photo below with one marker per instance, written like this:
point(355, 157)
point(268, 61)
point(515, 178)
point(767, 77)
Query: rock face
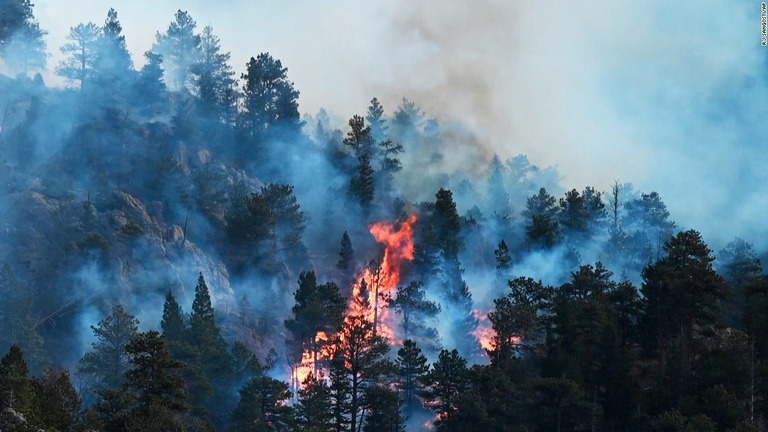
point(11, 421)
point(75, 255)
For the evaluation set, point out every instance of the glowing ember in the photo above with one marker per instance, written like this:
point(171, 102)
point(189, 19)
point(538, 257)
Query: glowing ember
point(484, 331)
point(380, 279)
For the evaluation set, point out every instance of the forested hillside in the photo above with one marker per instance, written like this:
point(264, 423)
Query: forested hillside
point(182, 249)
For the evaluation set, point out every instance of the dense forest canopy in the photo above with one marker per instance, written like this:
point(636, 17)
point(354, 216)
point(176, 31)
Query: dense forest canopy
point(182, 249)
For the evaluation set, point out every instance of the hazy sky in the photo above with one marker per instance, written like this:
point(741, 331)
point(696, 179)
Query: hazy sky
point(668, 95)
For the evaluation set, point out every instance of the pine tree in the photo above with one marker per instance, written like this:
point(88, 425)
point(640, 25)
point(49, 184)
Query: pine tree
point(80, 66)
point(21, 38)
point(362, 185)
point(446, 224)
point(412, 305)
point(383, 410)
point(358, 360)
point(270, 98)
point(173, 325)
point(359, 138)
point(107, 361)
point(206, 335)
point(376, 121)
point(16, 387)
point(180, 48)
point(262, 407)
point(346, 254)
point(244, 363)
point(213, 77)
point(155, 384)
point(58, 399)
point(446, 379)
point(112, 63)
point(498, 198)
point(412, 367)
point(153, 375)
point(503, 257)
point(314, 411)
point(318, 308)
point(542, 228)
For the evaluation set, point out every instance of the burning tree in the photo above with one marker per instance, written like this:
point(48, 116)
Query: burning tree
point(358, 361)
point(318, 312)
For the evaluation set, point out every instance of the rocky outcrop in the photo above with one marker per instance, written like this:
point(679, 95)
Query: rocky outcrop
point(12, 421)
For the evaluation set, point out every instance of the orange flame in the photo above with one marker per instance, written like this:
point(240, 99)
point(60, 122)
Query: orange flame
point(484, 331)
point(380, 280)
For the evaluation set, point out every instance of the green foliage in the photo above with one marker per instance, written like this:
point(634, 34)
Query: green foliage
point(383, 410)
point(446, 379)
point(16, 387)
point(270, 99)
point(412, 305)
point(131, 230)
point(206, 335)
point(314, 411)
point(262, 407)
point(358, 361)
point(107, 361)
point(59, 402)
point(318, 308)
point(153, 377)
point(180, 48)
point(412, 368)
point(93, 241)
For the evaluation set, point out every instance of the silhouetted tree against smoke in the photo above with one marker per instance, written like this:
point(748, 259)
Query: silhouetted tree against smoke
point(681, 298)
point(739, 265)
point(446, 379)
point(270, 100)
point(346, 263)
point(206, 336)
point(155, 383)
point(647, 221)
point(581, 214)
point(180, 48)
point(150, 91)
point(213, 79)
point(21, 39)
point(415, 312)
point(80, 65)
point(362, 184)
point(107, 361)
point(267, 228)
point(542, 226)
point(376, 121)
point(412, 367)
point(498, 198)
point(516, 320)
point(112, 63)
point(318, 308)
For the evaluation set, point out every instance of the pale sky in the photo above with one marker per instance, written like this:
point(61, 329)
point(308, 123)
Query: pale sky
point(605, 90)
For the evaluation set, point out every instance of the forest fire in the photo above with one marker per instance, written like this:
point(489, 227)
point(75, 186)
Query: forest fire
point(484, 331)
point(379, 279)
point(377, 282)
